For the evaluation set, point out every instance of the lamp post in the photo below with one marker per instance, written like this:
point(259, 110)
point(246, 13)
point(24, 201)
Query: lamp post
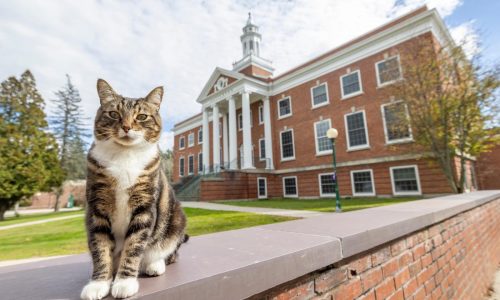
point(332, 134)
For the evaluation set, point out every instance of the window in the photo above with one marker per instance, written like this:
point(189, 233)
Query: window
point(240, 122)
point(262, 149)
point(191, 139)
point(319, 95)
point(396, 122)
point(357, 133)
point(290, 186)
point(200, 136)
point(351, 84)
point(190, 165)
point(405, 180)
point(284, 108)
point(200, 162)
point(262, 187)
point(362, 183)
point(181, 167)
point(287, 147)
point(261, 114)
point(323, 143)
point(326, 184)
point(388, 70)
point(181, 143)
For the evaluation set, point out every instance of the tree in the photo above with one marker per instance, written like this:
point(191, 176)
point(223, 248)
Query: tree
point(167, 163)
point(67, 124)
point(28, 152)
point(451, 102)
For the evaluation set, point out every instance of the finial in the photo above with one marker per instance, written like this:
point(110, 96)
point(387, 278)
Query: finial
point(249, 18)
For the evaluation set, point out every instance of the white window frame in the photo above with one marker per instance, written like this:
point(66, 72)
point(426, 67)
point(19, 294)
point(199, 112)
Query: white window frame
point(184, 171)
point(261, 114)
point(260, 149)
point(321, 194)
point(200, 162)
point(240, 124)
point(379, 84)
point(291, 110)
point(265, 186)
point(327, 96)
point(183, 142)
point(386, 134)
point(281, 145)
point(373, 193)
point(359, 147)
point(190, 173)
point(200, 142)
point(189, 142)
point(296, 187)
point(324, 152)
point(416, 193)
point(344, 96)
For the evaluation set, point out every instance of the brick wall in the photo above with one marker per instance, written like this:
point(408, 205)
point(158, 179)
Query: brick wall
point(488, 164)
point(453, 259)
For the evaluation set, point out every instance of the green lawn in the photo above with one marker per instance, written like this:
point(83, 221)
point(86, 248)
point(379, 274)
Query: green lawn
point(68, 236)
point(37, 217)
point(323, 205)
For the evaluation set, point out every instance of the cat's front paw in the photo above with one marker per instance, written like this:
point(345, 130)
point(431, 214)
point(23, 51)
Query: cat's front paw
point(155, 268)
point(123, 288)
point(95, 290)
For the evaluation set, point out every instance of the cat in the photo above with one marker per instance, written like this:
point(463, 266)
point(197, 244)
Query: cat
point(134, 223)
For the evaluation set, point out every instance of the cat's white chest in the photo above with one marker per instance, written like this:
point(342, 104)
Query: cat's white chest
point(125, 165)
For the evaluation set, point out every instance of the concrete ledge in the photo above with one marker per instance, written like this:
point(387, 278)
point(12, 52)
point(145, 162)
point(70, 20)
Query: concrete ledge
point(241, 263)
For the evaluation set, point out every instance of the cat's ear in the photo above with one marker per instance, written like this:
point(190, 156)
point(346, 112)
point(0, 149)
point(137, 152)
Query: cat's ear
point(105, 91)
point(155, 96)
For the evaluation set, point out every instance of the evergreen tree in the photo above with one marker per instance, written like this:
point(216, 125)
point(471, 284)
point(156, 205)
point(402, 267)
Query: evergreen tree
point(68, 127)
point(28, 152)
point(167, 163)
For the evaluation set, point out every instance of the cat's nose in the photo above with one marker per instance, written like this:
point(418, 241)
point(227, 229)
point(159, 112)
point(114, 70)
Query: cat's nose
point(126, 128)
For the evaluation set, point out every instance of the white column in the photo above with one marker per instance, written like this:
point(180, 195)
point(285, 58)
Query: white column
point(247, 131)
point(215, 137)
point(225, 145)
point(233, 145)
point(206, 142)
point(267, 134)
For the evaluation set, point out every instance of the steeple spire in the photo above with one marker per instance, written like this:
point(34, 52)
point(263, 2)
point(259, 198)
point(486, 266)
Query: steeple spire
point(251, 38)
point(249, 21)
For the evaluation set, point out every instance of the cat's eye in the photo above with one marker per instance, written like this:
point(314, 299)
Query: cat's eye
point(141, 117)
point(114, 115)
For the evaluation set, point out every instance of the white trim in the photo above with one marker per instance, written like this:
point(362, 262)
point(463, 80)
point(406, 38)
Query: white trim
point(281, 146)
point(379, 85)
point(279, 111)
point(184, 142)
point(183, 170)
point(396, 141)
point(296, 187)
point(258, 188)
point(344, 96)
point(358, 147)
point(261, 114)
point(327, 95)
point(238, 118)
point(260, 149)
point(200, 162)
point(198, 137)
point(189, 156)
point(373, 193)
point(418, 192)
point(191, 144)
point(324, 152)
point(321, 194)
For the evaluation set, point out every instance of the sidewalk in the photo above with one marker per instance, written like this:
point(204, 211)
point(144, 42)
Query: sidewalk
point(39, 222)
point(11, 213)
point(257, 210)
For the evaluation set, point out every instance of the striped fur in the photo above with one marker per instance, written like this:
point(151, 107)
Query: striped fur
point(134, 223)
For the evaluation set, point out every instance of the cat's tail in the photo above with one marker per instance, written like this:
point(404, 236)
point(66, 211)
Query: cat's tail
point(186, 238)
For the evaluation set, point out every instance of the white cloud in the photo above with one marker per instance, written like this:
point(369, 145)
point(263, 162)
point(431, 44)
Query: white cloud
point(136, 46)
point(467, 36)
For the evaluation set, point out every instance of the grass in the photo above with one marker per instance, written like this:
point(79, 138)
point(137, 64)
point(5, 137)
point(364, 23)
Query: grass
point(37, 217)
point(323, 205)
point(69, 237)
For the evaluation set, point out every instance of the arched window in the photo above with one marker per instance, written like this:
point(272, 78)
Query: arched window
point(251, 45)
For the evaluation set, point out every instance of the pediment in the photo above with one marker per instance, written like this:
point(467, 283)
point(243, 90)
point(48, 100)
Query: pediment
point(219, 80)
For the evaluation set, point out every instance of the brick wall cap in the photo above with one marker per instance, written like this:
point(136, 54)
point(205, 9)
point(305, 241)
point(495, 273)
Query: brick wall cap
point(241, 263)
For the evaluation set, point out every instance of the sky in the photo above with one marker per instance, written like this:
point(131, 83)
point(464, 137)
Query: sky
point(138, 45)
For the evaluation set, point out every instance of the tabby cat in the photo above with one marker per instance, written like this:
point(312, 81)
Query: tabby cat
point(134, 223)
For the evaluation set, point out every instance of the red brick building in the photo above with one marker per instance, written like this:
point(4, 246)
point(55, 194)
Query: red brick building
point(271, 131)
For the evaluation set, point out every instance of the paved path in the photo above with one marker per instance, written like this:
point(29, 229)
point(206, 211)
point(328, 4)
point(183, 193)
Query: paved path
point(11, 213)
point(257, 210)
point(38, 222)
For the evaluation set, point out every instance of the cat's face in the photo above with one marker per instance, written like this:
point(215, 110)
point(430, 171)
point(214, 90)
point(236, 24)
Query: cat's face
point(127, 121)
